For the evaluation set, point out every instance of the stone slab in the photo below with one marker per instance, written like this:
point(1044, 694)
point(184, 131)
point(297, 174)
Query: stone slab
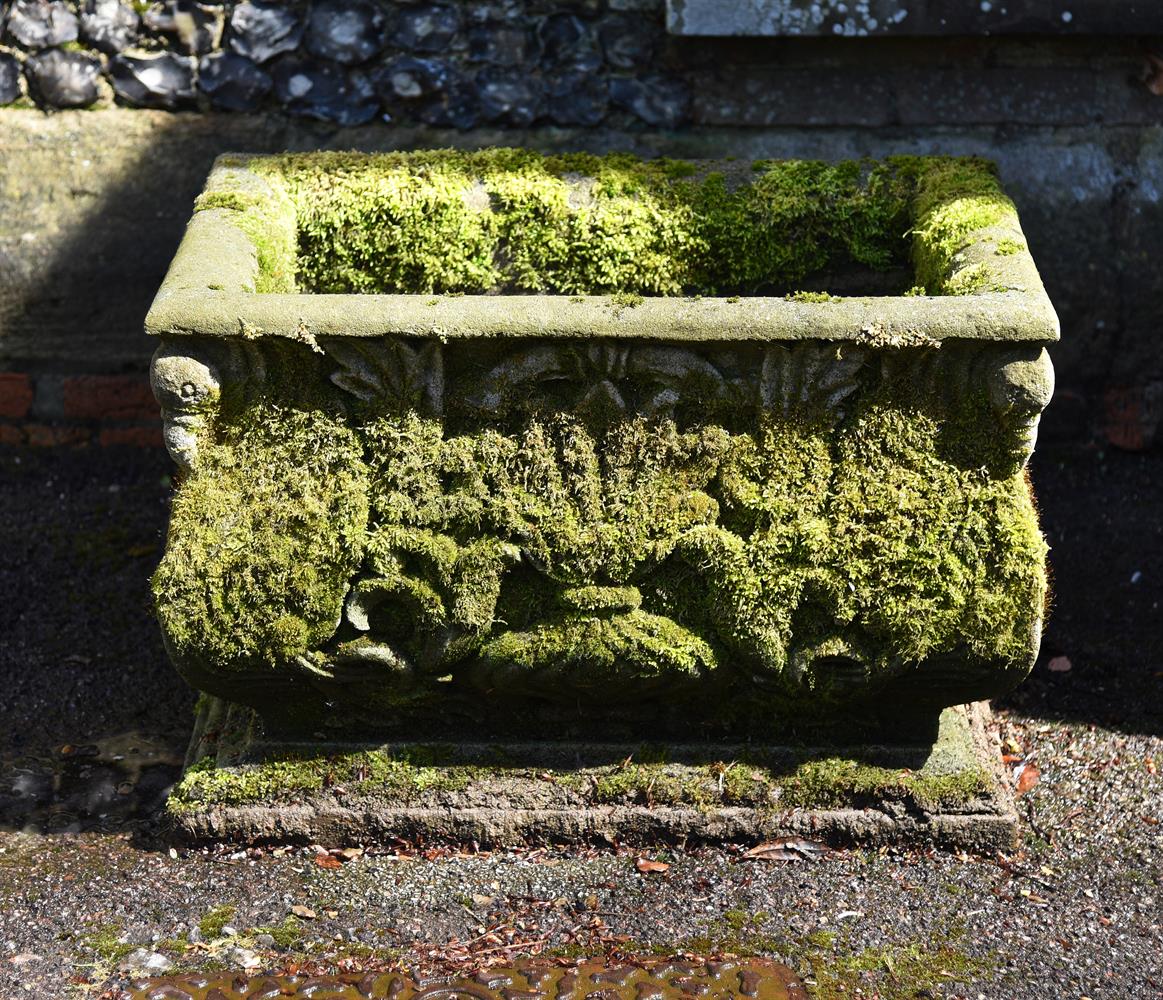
point(240, 787)
point(911, 17)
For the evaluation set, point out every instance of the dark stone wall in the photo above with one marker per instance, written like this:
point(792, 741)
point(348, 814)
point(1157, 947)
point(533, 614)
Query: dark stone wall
point(1075, 122)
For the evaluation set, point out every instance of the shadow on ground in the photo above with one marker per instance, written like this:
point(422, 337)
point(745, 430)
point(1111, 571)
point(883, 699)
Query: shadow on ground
point(98, 721)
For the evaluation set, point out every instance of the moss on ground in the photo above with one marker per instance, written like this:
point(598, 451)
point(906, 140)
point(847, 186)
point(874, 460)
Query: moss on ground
point(514, 220)
point(212, 922)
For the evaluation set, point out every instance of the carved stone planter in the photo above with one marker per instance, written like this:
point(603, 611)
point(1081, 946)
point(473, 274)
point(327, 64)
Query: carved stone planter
point(491, 447)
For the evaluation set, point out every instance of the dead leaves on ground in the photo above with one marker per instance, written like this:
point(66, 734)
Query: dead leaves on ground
point(787, 849)
point(1026, 776)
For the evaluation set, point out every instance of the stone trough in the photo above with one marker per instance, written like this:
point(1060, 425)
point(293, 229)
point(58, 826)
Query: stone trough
point(594, 487)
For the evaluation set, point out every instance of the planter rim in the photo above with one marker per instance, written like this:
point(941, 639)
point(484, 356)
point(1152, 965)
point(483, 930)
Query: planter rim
point(888, 321)
point(209, 290)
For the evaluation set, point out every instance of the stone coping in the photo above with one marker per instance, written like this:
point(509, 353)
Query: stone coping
point(209, 291)
point(886, 18)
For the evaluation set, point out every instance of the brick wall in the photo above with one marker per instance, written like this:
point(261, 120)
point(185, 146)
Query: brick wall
point(78, 410)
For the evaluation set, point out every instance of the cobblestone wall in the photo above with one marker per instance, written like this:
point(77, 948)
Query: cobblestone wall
point(447, 65)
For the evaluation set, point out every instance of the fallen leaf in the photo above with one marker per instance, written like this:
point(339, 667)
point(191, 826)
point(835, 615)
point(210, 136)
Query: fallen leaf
point(303, 912)
point(350, 853)
point(1026, 777)
point(332, 913)
point(647, 865)
point(1059, 665)
point(327, 861)
point(787, 849)
point(1151, 766)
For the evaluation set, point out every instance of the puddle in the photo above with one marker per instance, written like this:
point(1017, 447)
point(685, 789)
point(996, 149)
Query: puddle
point(93, 787)
point(745, 979)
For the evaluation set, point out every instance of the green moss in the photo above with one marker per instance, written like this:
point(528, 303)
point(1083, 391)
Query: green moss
point(515, 220)
point(812, 297)
point(212, 923)
point(605, 556)
point(899, 972)
point(967, 280)
point(1007, 247)
point(626, 300)
point(264, 538)
point(824, 784)
point(834, 782)
point(105, 942)
point(267, 217)
point(393, 778)
point(287, 935)
point(955, 200)
point(931, 557)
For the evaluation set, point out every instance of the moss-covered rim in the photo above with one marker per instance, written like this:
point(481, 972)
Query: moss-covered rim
point(445, 221)
point(509, 242)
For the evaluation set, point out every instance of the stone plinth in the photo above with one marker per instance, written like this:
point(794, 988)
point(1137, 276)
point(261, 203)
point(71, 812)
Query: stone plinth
point(496, 448)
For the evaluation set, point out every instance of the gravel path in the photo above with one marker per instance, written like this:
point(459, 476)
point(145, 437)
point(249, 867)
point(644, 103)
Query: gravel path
point(97, 724)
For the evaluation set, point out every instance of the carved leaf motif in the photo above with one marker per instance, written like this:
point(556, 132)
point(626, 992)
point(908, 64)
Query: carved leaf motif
point(624, 377)
point(809, 376)
point(389, 371)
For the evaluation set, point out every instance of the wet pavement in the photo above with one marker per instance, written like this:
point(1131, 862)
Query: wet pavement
point(751, 979)
point(94, 894)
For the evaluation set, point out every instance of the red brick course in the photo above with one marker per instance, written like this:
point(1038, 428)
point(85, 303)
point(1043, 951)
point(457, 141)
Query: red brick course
point(48, 435)
point(108, 397)
point(15, 395)
point(140, 437)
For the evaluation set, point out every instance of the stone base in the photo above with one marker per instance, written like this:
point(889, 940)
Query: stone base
point(239, 786)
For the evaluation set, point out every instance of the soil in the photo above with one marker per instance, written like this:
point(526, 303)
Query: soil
point(91, 880)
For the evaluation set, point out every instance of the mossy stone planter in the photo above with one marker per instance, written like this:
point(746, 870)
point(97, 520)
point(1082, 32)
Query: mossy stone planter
point(492, 446)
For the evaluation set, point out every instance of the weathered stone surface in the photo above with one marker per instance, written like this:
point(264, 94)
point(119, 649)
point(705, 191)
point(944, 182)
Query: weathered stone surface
point(668, 500)
point(326, 91)
point(909, 17)
point(96, 203)
point(950, 790)
point(109, 25)
point(261, 31)
point(233, 81)
point(9, 79)
point(345, 33)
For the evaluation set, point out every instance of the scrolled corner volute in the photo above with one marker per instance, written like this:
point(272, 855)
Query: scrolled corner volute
point(186, 386)
point(1020, 384)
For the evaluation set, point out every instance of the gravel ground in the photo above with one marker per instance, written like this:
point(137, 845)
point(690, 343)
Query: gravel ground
point(98, 721)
